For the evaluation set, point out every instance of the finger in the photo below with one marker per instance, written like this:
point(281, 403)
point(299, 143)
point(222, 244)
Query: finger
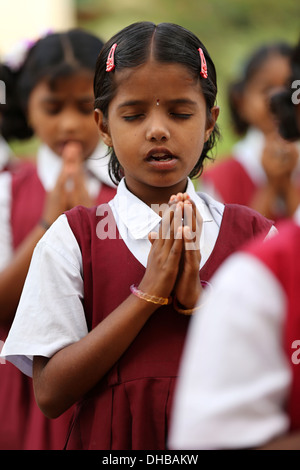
point(152, 236)
point(195, 221)
point(177, 223)
point(72, 152)
point(166, 224)
point(176, 249)
point(189, 218)
point(191, 242)
point(72, 156)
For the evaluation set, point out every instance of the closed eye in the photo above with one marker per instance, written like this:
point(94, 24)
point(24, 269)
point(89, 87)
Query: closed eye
point(133, 117)
point(181, 115)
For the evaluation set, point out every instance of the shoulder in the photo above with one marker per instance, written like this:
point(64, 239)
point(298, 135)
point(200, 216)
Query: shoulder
point(24, 173)
point(86, 215)
point(84, 221)
point(240, 215)
point(282, 248)
point(227, 164)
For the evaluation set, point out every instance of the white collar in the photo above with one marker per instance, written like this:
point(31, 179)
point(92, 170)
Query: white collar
point(140, 219)
point(5, 153)
point(248, 152)
point(49, 165)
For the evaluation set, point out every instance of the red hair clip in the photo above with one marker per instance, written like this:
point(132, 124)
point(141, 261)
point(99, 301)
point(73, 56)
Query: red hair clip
point(110, 63)
point(203, 71)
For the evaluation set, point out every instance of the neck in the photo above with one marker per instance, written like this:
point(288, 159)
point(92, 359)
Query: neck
point(157, 195)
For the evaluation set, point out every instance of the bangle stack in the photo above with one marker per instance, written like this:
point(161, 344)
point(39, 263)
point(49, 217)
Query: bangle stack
point(162, 301)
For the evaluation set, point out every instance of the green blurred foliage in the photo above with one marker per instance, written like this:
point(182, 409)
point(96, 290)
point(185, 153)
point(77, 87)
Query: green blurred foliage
point(230, 29)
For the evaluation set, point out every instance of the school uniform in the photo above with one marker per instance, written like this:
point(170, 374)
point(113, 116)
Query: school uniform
point(22, 425)
point(238, 176)
point(94, 255)
point(240, 376)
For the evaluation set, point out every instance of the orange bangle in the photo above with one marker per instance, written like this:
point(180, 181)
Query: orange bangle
point(149, 298)
point(184, 311)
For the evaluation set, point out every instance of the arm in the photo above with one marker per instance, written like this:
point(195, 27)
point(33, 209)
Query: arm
point(289, 441)
point(60, 199)
point(73, 371)
point(13, 276)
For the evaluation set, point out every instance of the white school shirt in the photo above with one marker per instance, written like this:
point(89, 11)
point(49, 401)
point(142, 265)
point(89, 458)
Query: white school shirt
point(5, 234)
point(48, 167)
point(50, 314)
point(234, 374)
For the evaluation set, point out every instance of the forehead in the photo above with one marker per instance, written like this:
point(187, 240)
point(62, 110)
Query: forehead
point(274, 72)
point(156, 79)
point(67, 85)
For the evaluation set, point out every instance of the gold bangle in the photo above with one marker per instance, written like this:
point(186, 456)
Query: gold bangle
point(184, 311)
point(150, 298)
point(190, 311)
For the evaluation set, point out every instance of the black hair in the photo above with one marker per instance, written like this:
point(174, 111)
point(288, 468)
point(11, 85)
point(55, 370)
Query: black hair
point(282, 103)
point(52, 57)
point(12, 122)
point(169, 43)
point(252, 66)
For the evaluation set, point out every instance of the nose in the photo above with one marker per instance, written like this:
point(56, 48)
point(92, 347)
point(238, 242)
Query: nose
point(157, 130)
point(70, 121)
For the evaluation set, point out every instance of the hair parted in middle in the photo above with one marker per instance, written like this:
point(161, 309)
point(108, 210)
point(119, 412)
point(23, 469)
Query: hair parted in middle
point(167, 43)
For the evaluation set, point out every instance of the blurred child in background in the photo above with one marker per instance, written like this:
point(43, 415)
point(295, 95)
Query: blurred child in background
point(54, 87)
point(263, 171)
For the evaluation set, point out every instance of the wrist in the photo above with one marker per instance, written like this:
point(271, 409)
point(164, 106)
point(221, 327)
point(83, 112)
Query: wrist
point(191, 303)
point(157, 300)
point(183, 309)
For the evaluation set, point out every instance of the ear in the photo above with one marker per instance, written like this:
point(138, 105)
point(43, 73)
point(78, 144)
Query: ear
point(214, 113)
point(102, 125)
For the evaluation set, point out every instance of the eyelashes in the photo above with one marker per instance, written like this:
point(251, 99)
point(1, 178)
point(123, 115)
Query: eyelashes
point(143, 116)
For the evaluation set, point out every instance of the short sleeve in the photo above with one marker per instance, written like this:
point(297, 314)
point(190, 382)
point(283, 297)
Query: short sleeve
point(6, 249)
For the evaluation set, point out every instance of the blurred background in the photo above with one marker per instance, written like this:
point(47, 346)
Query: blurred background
point(230, 29)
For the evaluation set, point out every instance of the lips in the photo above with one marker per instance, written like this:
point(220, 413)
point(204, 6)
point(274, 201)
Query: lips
point(161, 159)
point(160, 155)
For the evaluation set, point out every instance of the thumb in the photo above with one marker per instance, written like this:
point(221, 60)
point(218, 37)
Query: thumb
point(152, 236)
point(72, 154)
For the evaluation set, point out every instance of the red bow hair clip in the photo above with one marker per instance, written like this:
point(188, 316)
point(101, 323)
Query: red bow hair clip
point(203, 71)
point(110, 63)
